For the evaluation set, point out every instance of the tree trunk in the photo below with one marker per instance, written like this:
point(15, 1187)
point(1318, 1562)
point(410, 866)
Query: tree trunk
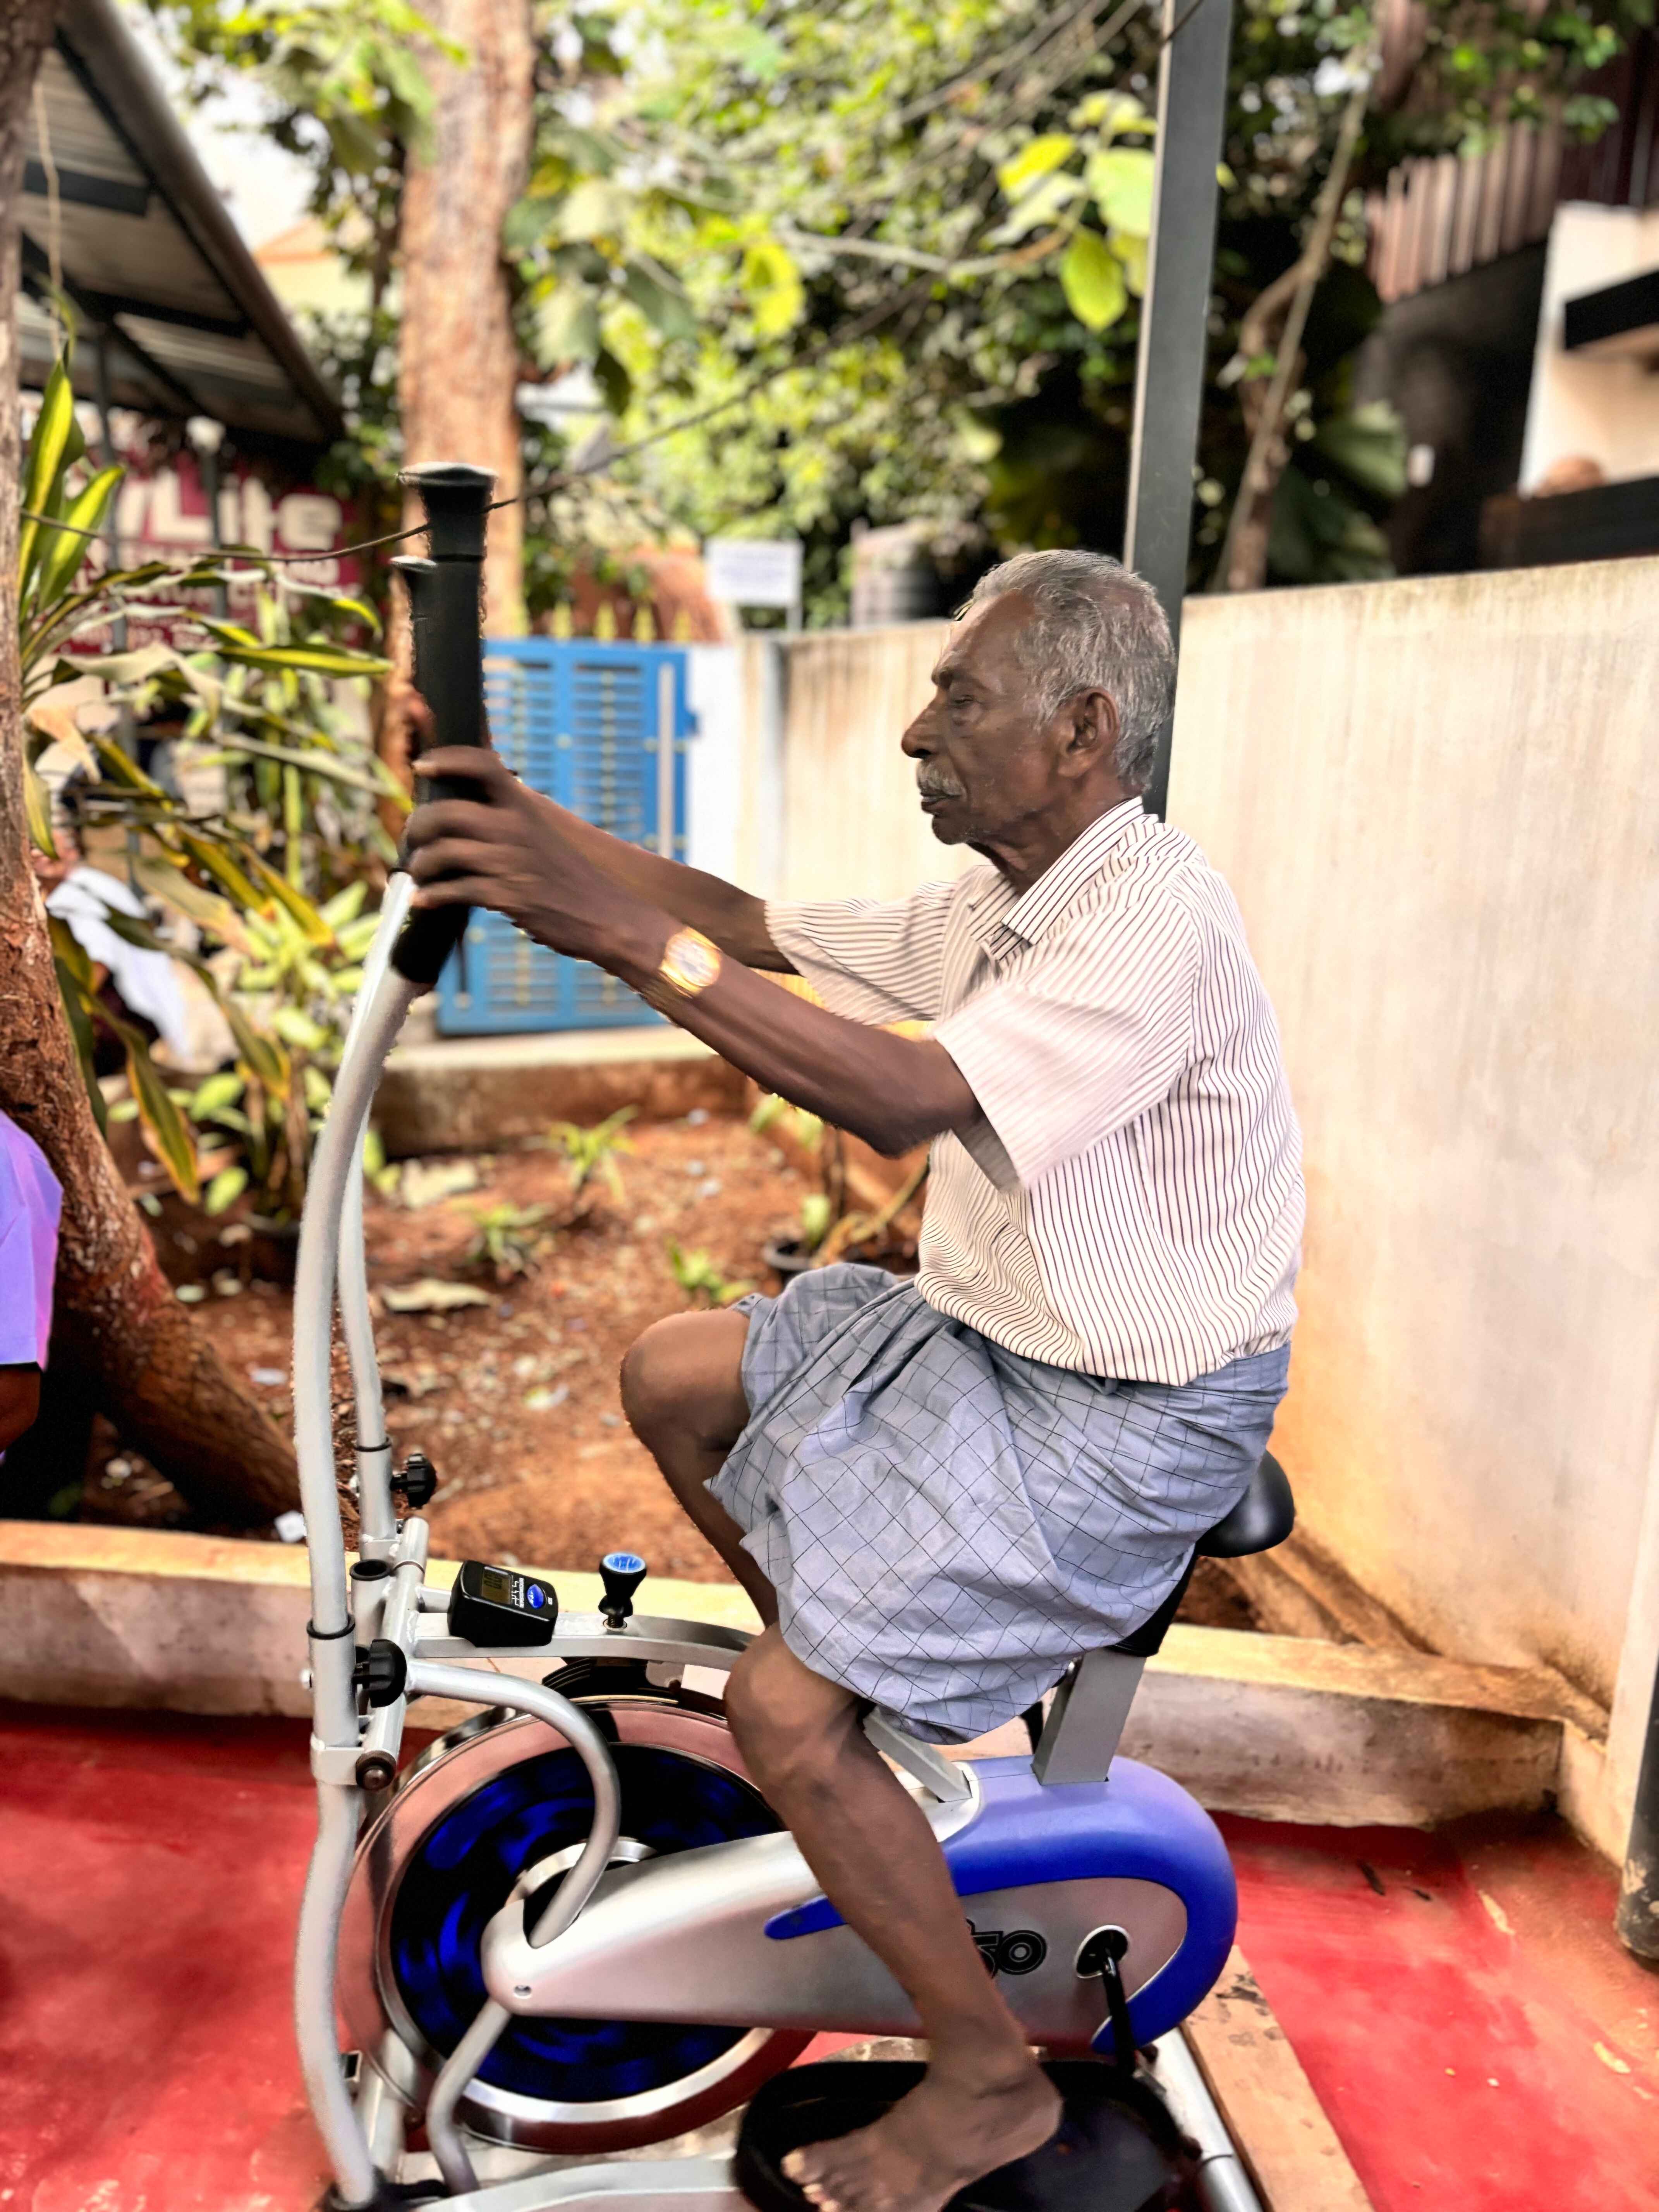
point(1244, 563)
point(119, 1328)
point(457, 357)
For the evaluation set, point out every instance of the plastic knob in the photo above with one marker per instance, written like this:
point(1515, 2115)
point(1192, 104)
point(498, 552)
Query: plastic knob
point(417, 1482)
point(382, 1671)
point(622, 1573)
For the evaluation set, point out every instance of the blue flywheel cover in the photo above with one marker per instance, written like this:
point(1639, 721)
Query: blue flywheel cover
point(460, 1876)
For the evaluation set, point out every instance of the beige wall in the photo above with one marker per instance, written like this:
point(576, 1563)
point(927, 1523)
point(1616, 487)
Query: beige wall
point(830, 810)
point(1439, 803)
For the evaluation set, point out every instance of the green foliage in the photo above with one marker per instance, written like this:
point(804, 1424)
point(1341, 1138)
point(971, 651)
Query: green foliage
point(590, 1152)
point(817, 1214)
point(268, 886)
point(701, 1280)
point(900, 249)
point(964, 194)
point(510, 1239)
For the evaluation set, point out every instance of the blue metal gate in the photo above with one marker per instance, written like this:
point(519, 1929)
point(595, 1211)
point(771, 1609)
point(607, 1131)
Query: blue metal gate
point(584, 722)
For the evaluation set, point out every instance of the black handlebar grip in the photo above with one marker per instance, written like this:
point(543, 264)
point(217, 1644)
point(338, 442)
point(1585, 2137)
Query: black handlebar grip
point(445, 617)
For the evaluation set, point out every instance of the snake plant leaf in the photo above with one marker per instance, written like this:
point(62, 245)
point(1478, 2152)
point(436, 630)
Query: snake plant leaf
point(295, 1027)
point(312, 759)
point(74, 988)
point(345, 905)
point(264, 1058)
point(167, 1128)
point(121, 768)
point(317, 657)
point(214, 1093)
point(38, 809)
point(226, 1187)
point(67, 549)
point(222, 869)
point(43, 471)
point(167, 881)
point(299, 906)
point(132, 930)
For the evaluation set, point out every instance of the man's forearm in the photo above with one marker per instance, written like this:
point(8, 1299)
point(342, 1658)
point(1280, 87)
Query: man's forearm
point(893, 1091)
point(734, 919)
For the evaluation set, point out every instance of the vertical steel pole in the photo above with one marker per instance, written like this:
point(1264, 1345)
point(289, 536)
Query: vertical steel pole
point(1637, 1916)
point(1192, 99)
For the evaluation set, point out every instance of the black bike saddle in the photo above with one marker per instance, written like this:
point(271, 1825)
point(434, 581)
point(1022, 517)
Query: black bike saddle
point(1116, 2148)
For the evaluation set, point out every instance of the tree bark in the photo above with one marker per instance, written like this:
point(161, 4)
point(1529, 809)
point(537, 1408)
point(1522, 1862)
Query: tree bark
point(458, 356)
point(119, 1328)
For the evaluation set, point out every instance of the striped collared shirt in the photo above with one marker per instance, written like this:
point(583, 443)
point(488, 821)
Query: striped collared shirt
point(1129, 1203)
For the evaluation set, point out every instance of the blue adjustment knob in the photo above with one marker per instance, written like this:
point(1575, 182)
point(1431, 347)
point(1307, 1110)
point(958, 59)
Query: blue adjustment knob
point(622, 1573)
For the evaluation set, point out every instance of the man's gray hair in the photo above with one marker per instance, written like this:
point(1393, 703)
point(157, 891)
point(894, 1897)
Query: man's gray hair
point(1098, 627)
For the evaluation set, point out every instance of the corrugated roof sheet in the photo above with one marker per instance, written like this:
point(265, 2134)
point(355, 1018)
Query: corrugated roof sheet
point(148, 253)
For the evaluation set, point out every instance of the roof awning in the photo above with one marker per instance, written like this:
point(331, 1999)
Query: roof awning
point(148, 255)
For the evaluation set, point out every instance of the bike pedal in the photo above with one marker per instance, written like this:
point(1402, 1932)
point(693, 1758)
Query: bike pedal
point(1116, 2148)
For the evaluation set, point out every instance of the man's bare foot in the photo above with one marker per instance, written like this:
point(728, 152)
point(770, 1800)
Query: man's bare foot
point(949, 2130)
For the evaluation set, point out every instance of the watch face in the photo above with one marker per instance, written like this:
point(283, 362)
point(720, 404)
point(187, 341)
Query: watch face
point(694, 962)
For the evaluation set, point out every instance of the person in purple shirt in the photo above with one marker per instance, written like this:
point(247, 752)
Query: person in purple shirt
point(31, 1200)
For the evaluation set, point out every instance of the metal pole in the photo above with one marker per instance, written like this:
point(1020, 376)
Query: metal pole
point(1637, 1917)
point(1192, 97)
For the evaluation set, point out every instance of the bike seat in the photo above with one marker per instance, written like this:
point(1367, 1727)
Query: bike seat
point(1264, 1517)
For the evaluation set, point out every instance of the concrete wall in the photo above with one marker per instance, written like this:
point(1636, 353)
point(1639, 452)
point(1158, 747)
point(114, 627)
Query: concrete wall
point(1438, 804)
point(828, 803)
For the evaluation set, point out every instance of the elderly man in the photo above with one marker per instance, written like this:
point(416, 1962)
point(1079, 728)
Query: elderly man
point(938, 1492)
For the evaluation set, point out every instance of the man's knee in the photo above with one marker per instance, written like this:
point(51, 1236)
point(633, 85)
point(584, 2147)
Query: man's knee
point(790, 1724)
point(685, 1375)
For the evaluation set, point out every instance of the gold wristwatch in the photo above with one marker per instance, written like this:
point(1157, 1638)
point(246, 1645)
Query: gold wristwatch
point(689, 963)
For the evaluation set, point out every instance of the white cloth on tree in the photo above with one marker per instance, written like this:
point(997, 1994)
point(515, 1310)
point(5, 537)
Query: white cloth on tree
point(147, 982)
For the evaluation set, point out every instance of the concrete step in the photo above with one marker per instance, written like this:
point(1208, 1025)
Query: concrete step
point(476, 1094)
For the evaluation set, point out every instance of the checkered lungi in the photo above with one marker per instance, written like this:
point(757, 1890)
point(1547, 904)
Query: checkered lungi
point(949, 1524)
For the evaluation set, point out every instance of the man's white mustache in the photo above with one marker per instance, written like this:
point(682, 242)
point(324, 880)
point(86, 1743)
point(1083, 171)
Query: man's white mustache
point(935, 786)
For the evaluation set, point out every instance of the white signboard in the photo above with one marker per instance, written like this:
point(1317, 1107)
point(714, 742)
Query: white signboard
point(753, 572)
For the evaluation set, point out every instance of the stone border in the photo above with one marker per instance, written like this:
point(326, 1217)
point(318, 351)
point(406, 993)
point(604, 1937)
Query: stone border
point(476, 1094)
point(1281, 1728)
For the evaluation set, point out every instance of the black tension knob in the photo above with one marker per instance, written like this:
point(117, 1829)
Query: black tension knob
point(622, 1573)
point(418, 1480)
point(382, 1671)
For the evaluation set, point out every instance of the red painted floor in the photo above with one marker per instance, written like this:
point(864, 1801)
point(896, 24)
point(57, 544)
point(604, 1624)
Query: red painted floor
point(1477, 2036)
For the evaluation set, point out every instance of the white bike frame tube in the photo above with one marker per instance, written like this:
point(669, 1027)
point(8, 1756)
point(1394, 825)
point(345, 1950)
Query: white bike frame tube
point(378, 1525)
point(426, 1680)
point(338, 1810)
point(1223, 2183)
point(335, 1167)
point(332, 1168)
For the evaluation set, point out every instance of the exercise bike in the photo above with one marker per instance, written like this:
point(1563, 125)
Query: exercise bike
point(572, 1927)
